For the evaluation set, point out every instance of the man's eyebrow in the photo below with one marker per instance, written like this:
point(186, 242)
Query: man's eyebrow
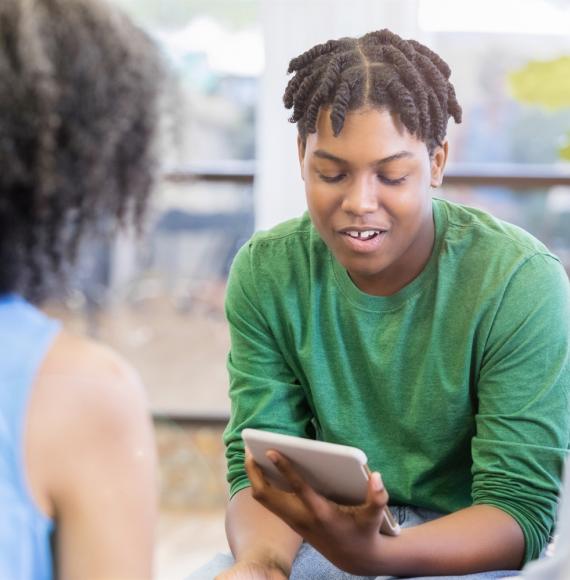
point(322, 154)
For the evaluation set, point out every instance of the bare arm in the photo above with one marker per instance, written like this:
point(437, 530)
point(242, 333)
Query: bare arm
point(93, 460)
point(477, 538)
point(256, 536)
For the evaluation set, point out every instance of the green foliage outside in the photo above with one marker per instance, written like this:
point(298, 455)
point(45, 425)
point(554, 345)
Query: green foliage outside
point(546, 84)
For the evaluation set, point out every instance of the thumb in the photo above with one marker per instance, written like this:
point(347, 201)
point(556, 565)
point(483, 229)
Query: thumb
point(377, 496)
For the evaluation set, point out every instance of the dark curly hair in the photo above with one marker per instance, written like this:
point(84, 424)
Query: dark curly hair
point(79, 92)
point(379, 69)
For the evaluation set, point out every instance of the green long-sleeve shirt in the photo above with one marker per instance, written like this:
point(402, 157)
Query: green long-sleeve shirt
point(456, 387)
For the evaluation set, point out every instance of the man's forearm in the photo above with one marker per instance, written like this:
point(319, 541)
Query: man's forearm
point(257, 535)
point(478, 538)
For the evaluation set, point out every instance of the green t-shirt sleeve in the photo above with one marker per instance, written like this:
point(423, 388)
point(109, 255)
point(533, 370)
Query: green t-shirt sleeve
point(523, 417)
point(264, 392)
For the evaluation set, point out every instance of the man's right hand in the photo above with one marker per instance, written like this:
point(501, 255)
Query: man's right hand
point(252, 571)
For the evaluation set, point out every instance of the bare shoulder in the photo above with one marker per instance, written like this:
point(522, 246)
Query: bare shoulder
point(79, 356)
point(88, 409)
point(88, 376)
point(88, 387)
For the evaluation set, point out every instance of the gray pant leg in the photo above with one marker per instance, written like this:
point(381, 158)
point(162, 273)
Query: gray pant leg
point(311, 565)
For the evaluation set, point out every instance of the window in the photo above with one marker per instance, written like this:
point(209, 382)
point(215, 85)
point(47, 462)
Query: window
point(486, 44)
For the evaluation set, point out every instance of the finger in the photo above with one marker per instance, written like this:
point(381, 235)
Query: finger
point(284, 465)
point(377, 496)
point(300, 487)
point(277, 501)
point(254, 472)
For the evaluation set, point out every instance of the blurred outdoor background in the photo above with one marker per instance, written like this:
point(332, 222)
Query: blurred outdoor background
point(230, 168)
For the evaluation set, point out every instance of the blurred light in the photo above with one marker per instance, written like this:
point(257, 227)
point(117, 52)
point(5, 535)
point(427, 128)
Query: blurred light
point(239, 53)
point(504, 16)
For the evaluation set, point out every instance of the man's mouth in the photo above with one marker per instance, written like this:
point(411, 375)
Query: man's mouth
point(363, 239)
point(362, 235)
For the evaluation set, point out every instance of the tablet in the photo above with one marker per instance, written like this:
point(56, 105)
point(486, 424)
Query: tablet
point(338, 472)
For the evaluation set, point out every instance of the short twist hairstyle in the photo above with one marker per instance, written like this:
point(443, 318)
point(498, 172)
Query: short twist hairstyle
point(78, 112)
point(380, 69)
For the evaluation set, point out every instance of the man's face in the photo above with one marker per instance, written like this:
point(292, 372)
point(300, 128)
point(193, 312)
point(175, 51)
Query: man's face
point(368, 196)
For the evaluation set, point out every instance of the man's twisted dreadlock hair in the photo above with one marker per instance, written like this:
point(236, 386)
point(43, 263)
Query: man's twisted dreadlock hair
point(380, 69)
point(78, 111)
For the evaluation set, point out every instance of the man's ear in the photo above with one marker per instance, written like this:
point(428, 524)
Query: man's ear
point(301, 146)
point(438, 161)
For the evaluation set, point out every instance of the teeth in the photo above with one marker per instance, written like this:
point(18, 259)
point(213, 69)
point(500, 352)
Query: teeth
point(362, 235)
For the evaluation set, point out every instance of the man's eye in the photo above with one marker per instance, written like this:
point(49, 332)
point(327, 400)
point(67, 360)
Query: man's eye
point(387, 181)
point(332, 178)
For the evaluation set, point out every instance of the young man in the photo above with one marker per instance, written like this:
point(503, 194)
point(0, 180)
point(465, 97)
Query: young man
point(431, 335)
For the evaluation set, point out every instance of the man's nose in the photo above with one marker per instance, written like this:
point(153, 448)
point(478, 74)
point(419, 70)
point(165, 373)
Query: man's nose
point(361, 196)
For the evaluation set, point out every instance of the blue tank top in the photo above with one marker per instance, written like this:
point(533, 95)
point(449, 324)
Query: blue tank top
point(25, 533)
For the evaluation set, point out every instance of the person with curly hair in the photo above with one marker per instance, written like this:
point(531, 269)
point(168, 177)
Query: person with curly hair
point(431, 335)
point(78, 115)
